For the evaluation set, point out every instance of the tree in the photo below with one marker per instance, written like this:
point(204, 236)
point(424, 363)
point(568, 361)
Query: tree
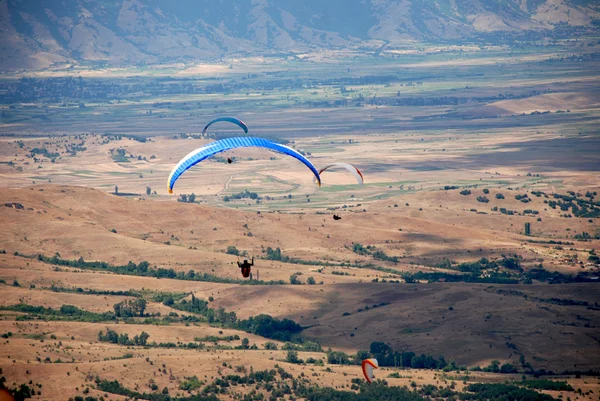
point(527, 228)
point(192, 198)
point(310, 281)
point(148, 190)
point(245, 343)
point(494, 366)
point(507, 368)
point(143, 338)
point(361, 355)
point(292, 357)
point(294, 279)
point(337, 357)
point(116, 189)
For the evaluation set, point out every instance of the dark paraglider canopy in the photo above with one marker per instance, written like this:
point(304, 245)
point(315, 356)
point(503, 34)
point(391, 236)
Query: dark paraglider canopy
point(233, 120)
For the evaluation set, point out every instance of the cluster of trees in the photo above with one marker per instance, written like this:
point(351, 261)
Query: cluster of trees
point(275, 254)
point(387, 356)
point(130, 308)
point(262, 325)
point(523, 198)
point(496, 367)
point(185, 198)
point(112, 336)
point(584, 236)
point(269, 327)
point(21, 392)
point(580, 207)
point(504, 210)
point(200, 307)
point(511, 263)
point(43, 152)
point(243, 195)
point(373, 251)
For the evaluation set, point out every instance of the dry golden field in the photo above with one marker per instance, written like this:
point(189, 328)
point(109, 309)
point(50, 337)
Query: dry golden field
point(402, 209)
point(474, 237)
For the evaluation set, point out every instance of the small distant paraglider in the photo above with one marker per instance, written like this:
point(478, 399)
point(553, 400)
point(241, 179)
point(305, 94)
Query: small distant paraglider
point(232, 120)
point(336, 217)
point(229, 160)
point(368, 365)
point(351, 168)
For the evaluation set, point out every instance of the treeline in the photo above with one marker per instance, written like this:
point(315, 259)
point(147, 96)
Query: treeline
point(277, 384)
point(144, 269)
point(79, 290)
point(74, 314)
point(432, 277)
point(69, 312)
point(263, 325)
point(387, 356)
point(485, 264)
point(114, 387)
point(552, 385)
point(141, 339)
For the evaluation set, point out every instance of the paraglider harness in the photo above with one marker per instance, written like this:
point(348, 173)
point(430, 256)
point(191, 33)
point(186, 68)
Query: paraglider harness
point(245, 267)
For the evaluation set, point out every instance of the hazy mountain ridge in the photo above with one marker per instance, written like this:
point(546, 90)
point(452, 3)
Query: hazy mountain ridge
point(35, 34)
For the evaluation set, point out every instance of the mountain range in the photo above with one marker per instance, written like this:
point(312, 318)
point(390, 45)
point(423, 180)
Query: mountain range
point(39, 33)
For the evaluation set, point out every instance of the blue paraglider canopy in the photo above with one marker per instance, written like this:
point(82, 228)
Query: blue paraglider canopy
point(213, 148)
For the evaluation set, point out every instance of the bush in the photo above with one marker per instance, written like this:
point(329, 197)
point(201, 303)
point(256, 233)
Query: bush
point(294, 279)
point(232, 250)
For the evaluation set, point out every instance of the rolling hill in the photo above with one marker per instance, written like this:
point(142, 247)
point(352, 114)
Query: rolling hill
point(37, 34)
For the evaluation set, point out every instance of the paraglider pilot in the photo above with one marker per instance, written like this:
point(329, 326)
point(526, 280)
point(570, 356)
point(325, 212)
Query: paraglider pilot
point(246, 267)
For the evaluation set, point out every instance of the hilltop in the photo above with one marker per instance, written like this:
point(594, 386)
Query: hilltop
point(125, 32)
